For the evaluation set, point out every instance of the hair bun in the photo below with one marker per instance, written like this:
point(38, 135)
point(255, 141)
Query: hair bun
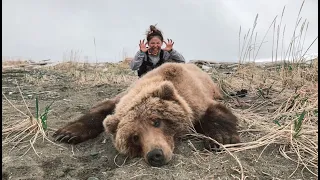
point(153, 31)
point(153, 28)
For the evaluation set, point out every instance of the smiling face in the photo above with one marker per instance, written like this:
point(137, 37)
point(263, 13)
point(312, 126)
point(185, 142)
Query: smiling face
point(149, 128)
point(154, 44)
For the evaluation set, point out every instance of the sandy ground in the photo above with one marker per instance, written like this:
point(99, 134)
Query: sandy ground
point(97, 158)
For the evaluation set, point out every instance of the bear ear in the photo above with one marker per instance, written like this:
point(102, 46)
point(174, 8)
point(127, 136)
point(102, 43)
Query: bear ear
point(110, 124)
point(165, 91)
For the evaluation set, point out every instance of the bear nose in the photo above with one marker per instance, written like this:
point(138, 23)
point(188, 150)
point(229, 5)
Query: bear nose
point(156, 157)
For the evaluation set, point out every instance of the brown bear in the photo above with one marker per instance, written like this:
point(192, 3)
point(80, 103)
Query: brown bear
point(166, 103)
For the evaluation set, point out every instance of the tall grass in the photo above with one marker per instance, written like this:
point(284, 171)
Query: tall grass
point(295, 51)
point(285, 94)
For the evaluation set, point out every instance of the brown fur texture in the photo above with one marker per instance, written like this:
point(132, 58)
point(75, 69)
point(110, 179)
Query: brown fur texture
point(180, 97)
point(89, 125)
point(166, 103)
point(220, 124)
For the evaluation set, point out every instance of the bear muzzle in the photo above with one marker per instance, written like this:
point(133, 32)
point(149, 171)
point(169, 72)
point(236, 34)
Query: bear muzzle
point(156, 158)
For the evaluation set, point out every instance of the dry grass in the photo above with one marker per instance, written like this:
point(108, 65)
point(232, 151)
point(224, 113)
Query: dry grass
point(95, 74)
point(282, 107)
point(279, 94)
point(14, 63)
point(275, 108)
point(25, 129)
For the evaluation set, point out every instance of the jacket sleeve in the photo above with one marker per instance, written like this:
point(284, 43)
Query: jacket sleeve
point(137, 60)
point(176, 56)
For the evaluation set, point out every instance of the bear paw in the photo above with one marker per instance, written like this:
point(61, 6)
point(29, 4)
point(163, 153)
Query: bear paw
point(220, 124)
point(75, 133)
point(222, 138)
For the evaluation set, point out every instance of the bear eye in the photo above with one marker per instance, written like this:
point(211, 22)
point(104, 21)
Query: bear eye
point(156, 123)
point(135, 139)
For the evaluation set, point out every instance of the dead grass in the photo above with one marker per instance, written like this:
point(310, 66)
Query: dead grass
point(281, 107)
point(23, 132)
point(95, 74)
point(14, 63)
point(283, 104)
point(278, 96)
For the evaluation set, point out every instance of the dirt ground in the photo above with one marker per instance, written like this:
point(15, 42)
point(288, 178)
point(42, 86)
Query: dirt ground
point(97, 158)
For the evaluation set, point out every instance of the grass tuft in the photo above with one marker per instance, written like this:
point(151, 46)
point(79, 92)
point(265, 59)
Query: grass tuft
point(28, 129)
point(44, 116)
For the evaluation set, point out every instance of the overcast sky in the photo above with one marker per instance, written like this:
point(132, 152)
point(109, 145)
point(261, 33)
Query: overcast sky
point(201, 29)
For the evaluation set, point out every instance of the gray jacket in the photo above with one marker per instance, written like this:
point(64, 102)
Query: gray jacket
point(173, 56)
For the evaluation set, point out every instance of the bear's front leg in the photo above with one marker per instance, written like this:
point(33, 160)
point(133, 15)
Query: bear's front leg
point(219, 124)
point(87, 126)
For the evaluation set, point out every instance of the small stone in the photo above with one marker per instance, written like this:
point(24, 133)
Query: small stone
point(206, 68)
point(93, 178)
point(94, 154)
point(100, 93)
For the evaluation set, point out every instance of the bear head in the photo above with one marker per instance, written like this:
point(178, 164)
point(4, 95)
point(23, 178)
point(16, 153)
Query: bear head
point(148, 125)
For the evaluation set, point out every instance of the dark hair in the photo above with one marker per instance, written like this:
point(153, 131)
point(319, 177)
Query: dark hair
point(154, 32)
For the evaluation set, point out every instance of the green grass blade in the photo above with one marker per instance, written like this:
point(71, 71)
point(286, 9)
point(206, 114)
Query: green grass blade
point(260, 93)
point(37, 108)
point(277, 122)
point(295, 97)
point(44, 116)
point(298, 124)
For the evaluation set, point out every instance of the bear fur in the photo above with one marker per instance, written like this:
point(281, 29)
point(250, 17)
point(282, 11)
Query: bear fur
point(166, 103)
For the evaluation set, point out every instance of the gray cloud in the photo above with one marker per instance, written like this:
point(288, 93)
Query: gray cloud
point(206, 29)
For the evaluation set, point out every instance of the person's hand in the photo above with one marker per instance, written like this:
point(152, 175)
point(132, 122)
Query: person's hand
point(169, 45)
point(143, 46)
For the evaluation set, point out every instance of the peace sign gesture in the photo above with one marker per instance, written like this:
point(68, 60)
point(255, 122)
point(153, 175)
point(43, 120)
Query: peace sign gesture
point(143, 46)
point(169, 45)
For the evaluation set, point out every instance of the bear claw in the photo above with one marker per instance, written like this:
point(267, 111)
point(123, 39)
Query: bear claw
point(75, 133)
point(222, 139)
point(65, 137)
